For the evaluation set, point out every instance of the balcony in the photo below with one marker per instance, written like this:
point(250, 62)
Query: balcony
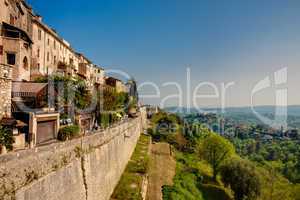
point(64, 68)
point(82, 70)
point(11, 32)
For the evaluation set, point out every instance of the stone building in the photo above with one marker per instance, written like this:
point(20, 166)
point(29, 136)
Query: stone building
point(15, 38)
point(35, 50)
point(116, 83)
point(84, 66)
point(51, 54)
point(97, 75)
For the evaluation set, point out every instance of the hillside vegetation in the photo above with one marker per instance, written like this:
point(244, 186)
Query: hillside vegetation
point(209, 166)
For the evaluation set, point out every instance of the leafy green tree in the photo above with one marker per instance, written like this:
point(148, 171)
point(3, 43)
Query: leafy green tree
point(69, 91)
point(215, 150)
point(243, 178)
point(275, 186)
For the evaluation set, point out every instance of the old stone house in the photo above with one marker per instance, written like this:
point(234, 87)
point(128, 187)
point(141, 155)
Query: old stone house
point(15, 39)
point(51, 54)
point(116, 83)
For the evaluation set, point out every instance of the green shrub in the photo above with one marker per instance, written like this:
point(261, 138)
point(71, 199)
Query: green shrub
point(211, 191)
point(243, 178)
point(140, 166)
point(68, 132)
point(104, 120)
point(185, 187)
point(6, 138)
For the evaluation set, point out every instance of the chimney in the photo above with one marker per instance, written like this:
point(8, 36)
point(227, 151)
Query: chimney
point(39, 17)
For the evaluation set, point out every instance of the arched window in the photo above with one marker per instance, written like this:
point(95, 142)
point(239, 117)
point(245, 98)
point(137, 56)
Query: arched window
point(25, 63)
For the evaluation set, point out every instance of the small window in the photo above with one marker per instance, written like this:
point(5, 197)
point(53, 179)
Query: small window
point(38, 53)
point(38, 66)
point(25, 63)
point(1, 50)
point(11, 19)
point(48, 56)
point(26, 46)
point(11, 58)
point(39, 34)
point(48, 41)
point(54, 59)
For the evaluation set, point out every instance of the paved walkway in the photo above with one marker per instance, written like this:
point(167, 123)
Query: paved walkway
point(162, 170)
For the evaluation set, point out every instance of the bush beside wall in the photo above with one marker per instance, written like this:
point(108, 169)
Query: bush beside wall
point(68, 132)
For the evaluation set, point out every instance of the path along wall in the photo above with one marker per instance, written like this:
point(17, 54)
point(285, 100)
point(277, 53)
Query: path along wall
point(88, 168)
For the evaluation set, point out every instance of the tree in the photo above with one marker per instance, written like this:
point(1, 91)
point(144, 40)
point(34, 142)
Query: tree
point(215, 150)
point(133, 89)
point(243, 178)
point(69, 91)
point(275, 186)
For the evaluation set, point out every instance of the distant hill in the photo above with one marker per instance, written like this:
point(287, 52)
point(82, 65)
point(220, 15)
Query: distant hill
point(244, 114)
point(265, 110)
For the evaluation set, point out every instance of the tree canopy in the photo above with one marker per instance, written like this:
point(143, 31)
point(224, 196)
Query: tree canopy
point(243, 178)
point(215, 150)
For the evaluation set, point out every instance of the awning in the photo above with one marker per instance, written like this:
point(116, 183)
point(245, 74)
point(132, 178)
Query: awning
point(8, 122)
point(27, 89)
point(13, 28)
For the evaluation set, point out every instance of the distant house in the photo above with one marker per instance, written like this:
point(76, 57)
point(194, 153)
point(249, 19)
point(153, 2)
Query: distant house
point(267, 138)
point(116, 83)
point(293, 134)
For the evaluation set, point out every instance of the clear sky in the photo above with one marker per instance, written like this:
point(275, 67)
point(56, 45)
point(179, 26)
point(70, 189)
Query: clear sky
point(156, 40)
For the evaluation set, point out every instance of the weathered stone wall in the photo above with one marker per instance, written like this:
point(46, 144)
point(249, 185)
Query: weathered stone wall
point(5, 90)
point(83, 169)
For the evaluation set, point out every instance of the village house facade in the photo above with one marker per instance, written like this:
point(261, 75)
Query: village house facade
point(116, 83)
point(36, 50)
point(15, 40)
point(51, 54)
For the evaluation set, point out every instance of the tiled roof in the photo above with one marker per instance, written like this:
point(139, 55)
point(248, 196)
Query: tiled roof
point(27, 88)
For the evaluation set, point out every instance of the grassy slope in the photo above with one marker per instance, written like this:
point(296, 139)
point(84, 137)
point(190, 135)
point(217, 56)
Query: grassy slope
point(193, 181)
point(129, 186)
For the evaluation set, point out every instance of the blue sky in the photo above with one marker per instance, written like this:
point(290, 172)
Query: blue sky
point(237, 41)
